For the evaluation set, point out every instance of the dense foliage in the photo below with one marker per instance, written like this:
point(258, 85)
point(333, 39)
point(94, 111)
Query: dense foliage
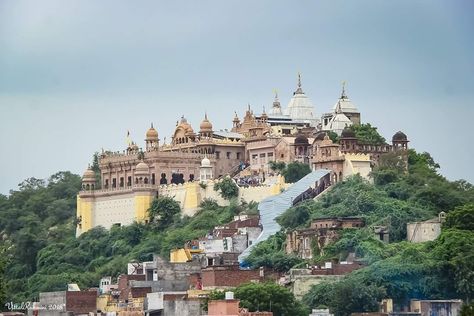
point(367, 134)
point(163, 211)
point(37, 225)
point(277, 166)
point(41, 253)
point(295, 171)
point(271, 254)
point(265, 297)
point(227, 188)
point(401, 193)
point(3, 262)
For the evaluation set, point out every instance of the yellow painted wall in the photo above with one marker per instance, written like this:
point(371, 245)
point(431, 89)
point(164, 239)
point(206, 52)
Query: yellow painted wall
point(102, 301)
point(179, 255)
point(193, 197)
point(84, 210)
point(183, 255)
point(142, 204)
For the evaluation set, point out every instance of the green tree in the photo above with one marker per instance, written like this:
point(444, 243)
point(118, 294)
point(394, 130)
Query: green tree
point(269, 297)
point(295, 171)
point(467, 309)
point(389, 169)
point(367, 134)
point(333, 136)
point(227, 188)
point(295, 216)
point(277, 166)
point(462, 217)
point(212, 296)
point(345, 297)
point(3, 263)
point(163, 211)
point(95, 167)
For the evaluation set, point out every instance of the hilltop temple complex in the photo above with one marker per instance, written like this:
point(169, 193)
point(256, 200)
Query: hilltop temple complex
point(129, 180)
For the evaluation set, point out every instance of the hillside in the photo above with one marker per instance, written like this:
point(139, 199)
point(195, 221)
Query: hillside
point(400, 270)
point(41, 251)
point(42, 254)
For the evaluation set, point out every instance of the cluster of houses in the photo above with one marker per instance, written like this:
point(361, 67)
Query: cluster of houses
point(178, 286)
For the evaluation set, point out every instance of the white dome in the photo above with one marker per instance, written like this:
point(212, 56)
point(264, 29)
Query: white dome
point(300, 106)
point(339, 122)
point(205, 162)
point(346, 105)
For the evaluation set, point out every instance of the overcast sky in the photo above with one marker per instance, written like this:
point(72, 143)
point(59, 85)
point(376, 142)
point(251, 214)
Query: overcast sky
point(76, 75)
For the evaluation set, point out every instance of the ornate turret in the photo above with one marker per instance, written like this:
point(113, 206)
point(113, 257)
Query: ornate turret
point(348, 133)
point(276, 109)
point(183, 133)
point(88, 179)
point(205, 171)
point(301, 139)
point(301, 147)
point(205, 129)
point(236, 120)
point(348, 140)
point(400, 141)
point(151, 139)
point(142, 173)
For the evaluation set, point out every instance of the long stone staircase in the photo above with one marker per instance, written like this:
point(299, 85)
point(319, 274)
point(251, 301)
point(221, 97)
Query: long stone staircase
point(270, 208)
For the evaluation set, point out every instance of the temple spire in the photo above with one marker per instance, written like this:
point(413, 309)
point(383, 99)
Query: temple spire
point(343, 93)
point(299, 90)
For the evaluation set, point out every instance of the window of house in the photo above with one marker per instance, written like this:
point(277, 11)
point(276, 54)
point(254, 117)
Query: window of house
point(129, 181)
point(238, 156)
point(114, 183)
point(218, 154)
point(228, 155)
point(122, 182)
